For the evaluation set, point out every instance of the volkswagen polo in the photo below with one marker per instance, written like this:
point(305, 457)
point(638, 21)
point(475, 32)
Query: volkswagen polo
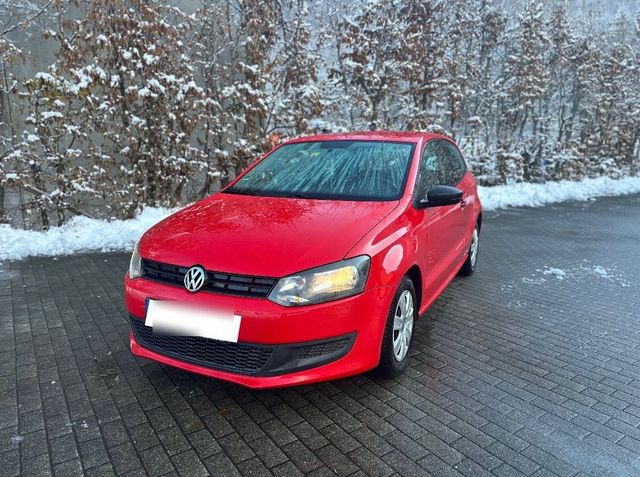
point(313, 264)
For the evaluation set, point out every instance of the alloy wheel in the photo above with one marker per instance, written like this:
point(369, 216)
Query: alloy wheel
point(473, 251)
point(403, 325)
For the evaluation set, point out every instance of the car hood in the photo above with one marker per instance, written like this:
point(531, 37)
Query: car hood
point(266, 236)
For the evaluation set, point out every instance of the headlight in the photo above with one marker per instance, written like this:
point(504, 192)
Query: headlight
point(135, 265)
point(326, 283)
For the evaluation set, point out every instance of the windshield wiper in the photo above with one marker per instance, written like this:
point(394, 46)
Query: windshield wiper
point(271, 193)
point(242, 191)
point(301, 196)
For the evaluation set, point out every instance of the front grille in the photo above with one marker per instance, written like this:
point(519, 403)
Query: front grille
point(206, 352)
point(242, 285)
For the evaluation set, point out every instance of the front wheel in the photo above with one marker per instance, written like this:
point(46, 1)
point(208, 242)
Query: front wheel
point(469, 265)
point(396, 342)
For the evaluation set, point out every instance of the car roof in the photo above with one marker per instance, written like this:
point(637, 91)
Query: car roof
point(400, 136)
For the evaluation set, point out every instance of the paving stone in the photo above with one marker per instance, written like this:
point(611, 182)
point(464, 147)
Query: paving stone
point(156, 461)
point(143, 436)
point(124, 458)
point(30, 445)
point(435, 466)
point(370, 463)
point(37, 466)
point(173, 440)
point(63, 449)
point(340, 438)
point(114, 433)
point(10, 462)
point(268, 451)
point(68, 469)
point(302, 457)
point(93, 453)
point(336, 461)
point(236, 448)
point(105, 470)
point(161, 418)
point(514, 372)
point(253, 467)
point(402, 464)
point(310, 436)
point(187, 463)
point(204, 443)
point(220, 464)
point(288, 469)
point(31, 421)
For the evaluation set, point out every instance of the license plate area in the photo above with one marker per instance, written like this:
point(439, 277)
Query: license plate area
point(178, 319)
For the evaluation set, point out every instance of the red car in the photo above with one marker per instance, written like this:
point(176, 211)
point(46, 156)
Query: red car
point(311, 265)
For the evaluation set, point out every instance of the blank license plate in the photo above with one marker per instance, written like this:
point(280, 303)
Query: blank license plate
point(177, 319)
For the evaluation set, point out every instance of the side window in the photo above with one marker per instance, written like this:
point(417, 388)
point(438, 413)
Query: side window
point(440, 164)
point(454, 166)
point(430, 167)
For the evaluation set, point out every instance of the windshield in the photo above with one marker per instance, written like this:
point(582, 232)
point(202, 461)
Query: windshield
point(342, 170)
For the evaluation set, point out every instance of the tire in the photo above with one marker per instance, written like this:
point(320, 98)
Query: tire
point(394, 359)
point(469, 265)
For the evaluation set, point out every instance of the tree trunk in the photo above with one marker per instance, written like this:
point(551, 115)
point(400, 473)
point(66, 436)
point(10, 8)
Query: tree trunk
point(3, 215)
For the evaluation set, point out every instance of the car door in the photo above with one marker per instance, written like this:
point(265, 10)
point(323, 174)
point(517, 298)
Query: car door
point(437, 243)
point(455, 175)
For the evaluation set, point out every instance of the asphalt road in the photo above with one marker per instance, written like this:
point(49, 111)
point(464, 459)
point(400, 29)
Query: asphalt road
point(530, 367)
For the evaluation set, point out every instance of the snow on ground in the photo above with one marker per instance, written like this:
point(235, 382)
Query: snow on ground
point(83, 234)
point(583, 271)
point(78, 235)
point(556, 272)
point(536, 195)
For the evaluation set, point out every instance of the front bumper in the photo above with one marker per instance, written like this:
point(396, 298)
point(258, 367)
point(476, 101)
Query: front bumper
point(277, 346)
point(243, 358)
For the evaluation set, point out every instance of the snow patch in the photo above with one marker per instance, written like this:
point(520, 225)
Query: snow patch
point(84, 234)
point(611, 275)
point(80, 234)
point(536, 195)
point(556, 272)
point(534, 281)
point(601, 271)
point(150, 59)
point(517, 304)
point(52, 114)
point(585, 271)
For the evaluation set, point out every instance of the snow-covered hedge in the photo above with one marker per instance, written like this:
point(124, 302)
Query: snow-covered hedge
point(81, 234)
point(145, 105)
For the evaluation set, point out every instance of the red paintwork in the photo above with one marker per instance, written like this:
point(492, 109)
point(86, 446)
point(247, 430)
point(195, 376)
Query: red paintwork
point(275, 237)
point(269, 236)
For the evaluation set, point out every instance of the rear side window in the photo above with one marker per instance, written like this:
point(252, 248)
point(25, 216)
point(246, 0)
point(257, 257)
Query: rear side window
point(454, 164)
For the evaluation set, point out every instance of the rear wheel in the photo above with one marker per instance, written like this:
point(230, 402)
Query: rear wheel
point(398, 331)
point(469, 265)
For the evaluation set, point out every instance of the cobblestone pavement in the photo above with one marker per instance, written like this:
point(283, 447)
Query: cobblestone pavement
point(530, 367)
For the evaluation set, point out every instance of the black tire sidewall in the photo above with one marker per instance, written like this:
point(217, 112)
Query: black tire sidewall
point(389, 366)
point(467, 267)
point(473, 265)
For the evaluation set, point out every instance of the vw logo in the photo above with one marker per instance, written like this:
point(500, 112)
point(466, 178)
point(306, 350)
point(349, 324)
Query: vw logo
point(195, 278)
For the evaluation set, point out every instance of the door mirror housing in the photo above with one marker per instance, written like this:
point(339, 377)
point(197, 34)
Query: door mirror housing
point(441, 195)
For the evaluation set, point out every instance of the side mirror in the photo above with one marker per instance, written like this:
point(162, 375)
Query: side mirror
point(441, 195)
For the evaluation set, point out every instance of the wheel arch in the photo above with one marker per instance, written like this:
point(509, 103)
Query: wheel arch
point(415, 275)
